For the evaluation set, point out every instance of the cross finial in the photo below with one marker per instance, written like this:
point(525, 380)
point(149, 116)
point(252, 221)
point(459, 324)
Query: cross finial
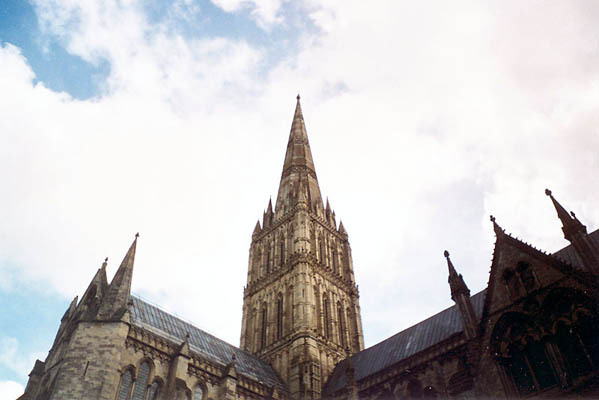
point(492, 218)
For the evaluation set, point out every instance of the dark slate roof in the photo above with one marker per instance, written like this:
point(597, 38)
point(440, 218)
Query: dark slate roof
point(569, 255)
point(404, 344)
point(165, 325)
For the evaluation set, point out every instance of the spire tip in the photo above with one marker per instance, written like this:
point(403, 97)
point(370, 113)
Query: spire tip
point(446, 254)
point(136, 235)
point(548, 192)
point(298, 97)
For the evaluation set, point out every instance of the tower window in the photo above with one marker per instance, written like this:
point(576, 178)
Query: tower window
point(341, 326)
point(263, 330)
point(327, 332)
point(279, 317)
point(268, 258)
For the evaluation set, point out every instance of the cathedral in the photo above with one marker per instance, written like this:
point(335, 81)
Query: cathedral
point(533, 332)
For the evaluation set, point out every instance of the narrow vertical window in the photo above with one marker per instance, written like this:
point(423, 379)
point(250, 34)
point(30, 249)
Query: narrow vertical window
point(141, 384)
point(282, 252)
point(154, 391)
point(267, 258)
point(341, 326)
point(263, 330)
point(125, 386)
point(279, 317)
point(198, 393)
point(322, 261)
point(326, 318)
point(335, 267)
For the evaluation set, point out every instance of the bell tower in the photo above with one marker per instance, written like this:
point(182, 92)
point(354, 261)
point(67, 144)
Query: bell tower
point(300, 310)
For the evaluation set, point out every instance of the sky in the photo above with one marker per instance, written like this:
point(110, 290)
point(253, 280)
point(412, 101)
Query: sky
point(171, 119)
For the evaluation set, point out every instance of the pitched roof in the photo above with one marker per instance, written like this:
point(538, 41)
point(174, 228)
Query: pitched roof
point(568, 254)
point(165, 325)
point(404, 344)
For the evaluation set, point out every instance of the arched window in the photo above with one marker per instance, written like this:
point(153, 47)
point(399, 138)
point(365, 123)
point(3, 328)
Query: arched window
point(518, 347)
point(125, 386)
point(154, 390)
point(267, 258)
point(141, 384)
point(263, 328)
point(526, 275)
point(341, 325)
point(571, 316)
point(335, 266)
point(290, 312)
point(327, 321)
point(282, 251)
point(198, 393)
point(279, 316)
point(322, 257)
point(318, 310)
point(571, 348)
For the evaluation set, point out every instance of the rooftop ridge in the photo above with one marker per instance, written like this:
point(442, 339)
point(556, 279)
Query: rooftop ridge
point(174, 314)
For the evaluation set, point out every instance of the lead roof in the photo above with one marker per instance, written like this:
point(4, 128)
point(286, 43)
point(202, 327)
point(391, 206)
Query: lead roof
point(207, 346)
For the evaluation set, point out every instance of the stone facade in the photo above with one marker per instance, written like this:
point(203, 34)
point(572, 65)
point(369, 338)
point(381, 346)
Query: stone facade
point(534, 331)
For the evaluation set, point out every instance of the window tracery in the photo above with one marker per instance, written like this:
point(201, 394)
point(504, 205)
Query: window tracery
point(519, 347)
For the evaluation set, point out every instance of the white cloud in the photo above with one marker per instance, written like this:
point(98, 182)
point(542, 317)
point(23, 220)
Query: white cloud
point(13, 359)
point(11, 389)
point(265, 12)
point(421, 124)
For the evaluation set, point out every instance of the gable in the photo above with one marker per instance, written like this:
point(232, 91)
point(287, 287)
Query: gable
point(507, 282)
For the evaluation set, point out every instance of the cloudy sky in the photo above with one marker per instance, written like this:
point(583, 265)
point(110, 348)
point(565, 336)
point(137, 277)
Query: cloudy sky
point(171, 118)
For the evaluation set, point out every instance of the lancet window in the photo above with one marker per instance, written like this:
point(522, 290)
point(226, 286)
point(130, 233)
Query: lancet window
point(326, 317)
point(341, 325)
point(141, 383)
point(154, 390)
point(279, 316)
point(264, 325)
point(140, 389)
point(198, 393)
point(125, 385)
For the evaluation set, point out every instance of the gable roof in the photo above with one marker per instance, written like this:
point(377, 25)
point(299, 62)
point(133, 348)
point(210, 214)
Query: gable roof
point(168, 326)
point(565, 260)
point(404, 344)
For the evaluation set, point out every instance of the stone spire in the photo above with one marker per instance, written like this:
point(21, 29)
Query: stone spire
point(571, 226)
point(576, 233)
point(115, 302)
point(460, 294)
point(299, 174)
